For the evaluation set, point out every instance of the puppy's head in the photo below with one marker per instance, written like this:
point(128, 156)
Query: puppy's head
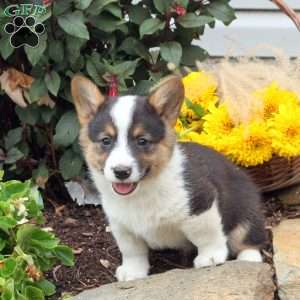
point(127, 139)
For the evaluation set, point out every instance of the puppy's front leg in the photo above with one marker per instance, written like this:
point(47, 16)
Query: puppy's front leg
point(135, 263)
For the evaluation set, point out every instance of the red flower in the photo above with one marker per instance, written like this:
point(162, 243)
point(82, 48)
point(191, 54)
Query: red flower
point(47, 2)
point(113, 86)
point(180, 10)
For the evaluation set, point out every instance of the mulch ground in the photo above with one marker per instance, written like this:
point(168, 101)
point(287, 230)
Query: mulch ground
point(86, 230)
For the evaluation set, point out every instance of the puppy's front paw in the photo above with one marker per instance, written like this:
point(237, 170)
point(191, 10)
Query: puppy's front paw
point(130, 272)
point(211, 258)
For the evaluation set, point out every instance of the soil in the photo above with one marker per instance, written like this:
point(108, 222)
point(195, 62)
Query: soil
point(86, 230)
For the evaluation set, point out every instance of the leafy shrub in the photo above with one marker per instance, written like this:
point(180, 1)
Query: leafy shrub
point(26, 250)
point(112, 42)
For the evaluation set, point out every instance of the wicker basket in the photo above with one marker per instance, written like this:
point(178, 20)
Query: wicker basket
point(275, 174)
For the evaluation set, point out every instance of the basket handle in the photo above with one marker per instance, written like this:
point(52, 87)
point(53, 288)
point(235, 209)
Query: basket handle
point(288, 11)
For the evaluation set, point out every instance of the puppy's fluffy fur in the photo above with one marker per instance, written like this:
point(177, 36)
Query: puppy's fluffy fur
point(158, 193)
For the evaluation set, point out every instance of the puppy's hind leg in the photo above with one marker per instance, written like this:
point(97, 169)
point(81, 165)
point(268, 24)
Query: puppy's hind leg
point(206, 233)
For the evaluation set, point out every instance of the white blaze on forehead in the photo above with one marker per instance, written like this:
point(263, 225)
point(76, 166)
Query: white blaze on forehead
point(122, 115)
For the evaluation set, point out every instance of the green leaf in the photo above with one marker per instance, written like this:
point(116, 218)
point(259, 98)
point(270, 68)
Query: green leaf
point(30, 235)
point(70, 164)
point(28, 115)
point(183, 3)
point(133, 46)
point(41, 175)
point(46, 286)
point(34, 293)
point(13, 137)
point(37, 90)
point(59, 7)
point(150, 26)
point(56, 50)
point(98, 5)
point(13, 155)
point(221, 11)
point(191, 20)
point(35, 54)
point(82, 4)
point(5, 47)
point(138, 14)
point(65, 254)
point(8, 292)
point(163, 5)
point(73, 24)
point(196, 108)
point(171, 52)
point(1, 175)
point(66, 130)
point(93, 72)
point(124, 69)
point(107, 23)
point(115, 10)
point(52, 81)
point(191, 54)
point(7, 223)
point(2, 244)
point(9, 267)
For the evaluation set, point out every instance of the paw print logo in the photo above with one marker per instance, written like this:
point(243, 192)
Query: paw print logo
point(24, 31)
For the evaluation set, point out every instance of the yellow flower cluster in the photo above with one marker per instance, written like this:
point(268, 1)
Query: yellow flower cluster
point(276, 132)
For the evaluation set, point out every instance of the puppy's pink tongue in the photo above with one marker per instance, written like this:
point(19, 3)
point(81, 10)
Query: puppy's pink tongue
point(123, 188)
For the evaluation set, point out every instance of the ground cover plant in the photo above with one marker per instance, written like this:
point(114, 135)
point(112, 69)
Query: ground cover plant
point(27, 251)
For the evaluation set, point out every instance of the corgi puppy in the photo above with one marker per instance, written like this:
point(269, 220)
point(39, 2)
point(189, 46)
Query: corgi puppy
point(158, 193)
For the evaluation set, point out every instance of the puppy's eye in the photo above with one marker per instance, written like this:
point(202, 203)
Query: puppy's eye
point(141, 141)
point(106, 141)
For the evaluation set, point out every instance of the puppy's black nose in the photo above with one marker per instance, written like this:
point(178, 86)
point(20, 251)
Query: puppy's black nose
point(122, 172)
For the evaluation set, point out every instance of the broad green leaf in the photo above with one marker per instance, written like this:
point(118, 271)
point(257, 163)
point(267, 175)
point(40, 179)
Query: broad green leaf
point(183, 3)
point(73, 24)
point(34, 293)
point(1, 175)
point(65, 254)
point(150, 26)
point(191, 54)
point(56, 50)
point(28, 115)
point(46, 286)
point(37, 90)
point(35, 54)
point(15, 189)
point(196, 108)
point(30, 235)
point(171, 52)
point(124, 69)
point(98, 5)
point(9, 268)
point(66, 130)
point(52, 81)
point(82, 4)
point(74, 46)
point(107, 23)
point(2, 244)
point(133, 46)
point(8, 290)
point(138, 14)
point(13, 155)
point(7, 223)
point(191, 20)
point(221, 11)
point(70, 164)
point(13, 137)
point(94, 73)
point(115, 10)
point(59, 7)
point(163, 5)
point(5, 47)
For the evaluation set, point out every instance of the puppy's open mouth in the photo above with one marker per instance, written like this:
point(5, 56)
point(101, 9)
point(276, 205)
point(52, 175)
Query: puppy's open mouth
point(124, 188)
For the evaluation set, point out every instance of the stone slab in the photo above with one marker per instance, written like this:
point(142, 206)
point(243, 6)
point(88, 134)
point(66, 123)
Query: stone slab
point(231, 281)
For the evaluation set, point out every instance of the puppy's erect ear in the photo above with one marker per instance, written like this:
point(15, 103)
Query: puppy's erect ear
point(87, 98)
point(167, 98)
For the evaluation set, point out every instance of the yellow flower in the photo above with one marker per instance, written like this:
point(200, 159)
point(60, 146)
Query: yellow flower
point(178, 126)
point(285, 130)
point(190, 136)
point(249, 145)
point(200, 88)
point(217, 121)
point(273, 96)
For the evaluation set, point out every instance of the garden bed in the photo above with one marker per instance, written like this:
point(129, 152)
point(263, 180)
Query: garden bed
point(86, 230)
